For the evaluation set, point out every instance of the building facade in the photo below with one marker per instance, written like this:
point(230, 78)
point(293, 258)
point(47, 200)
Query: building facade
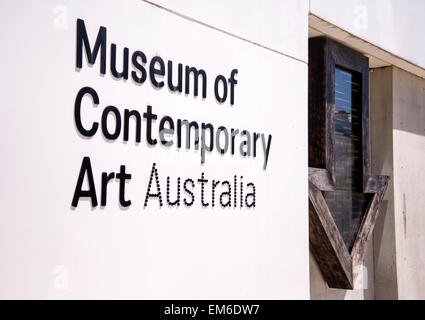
point(213, 149)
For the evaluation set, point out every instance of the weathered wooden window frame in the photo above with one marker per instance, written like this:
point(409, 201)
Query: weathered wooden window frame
point(335, 261)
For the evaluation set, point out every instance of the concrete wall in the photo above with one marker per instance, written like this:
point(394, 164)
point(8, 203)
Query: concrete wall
point(381, 119)
point(409, 177)
point(398, 145)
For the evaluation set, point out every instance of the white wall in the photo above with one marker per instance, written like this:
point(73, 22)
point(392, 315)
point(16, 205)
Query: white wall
point(50, 250)
point(392, 25)
point(278, 25)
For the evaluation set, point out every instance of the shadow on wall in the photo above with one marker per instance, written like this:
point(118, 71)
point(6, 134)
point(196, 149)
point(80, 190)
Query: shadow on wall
point(409, 102)
point(319, 290)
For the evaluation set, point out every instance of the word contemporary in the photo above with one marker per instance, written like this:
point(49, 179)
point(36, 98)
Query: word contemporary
point(204, 136)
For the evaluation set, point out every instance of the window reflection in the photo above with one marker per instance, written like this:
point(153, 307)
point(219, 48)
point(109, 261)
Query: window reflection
point(348, 204)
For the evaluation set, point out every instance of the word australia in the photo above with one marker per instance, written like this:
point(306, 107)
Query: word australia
point(172, 192)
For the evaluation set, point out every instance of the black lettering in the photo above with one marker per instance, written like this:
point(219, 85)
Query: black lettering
point(123, 176)
point(232, 82)
point(100, 43)
point(203, 181)
point(116, 133)
point(154, 173)
point(105, 180)
point(192, 196)
point(138, 66)
point(149, 116)
point(188, 125)
point(179, 86)
point(227, 194)
point(79, 193)
point(163, 131)
point(219, 98)
point(77, 111)
point(196, 75)
point(177, 201)
point(153, 71)
point(115, 73)
point(136, 115)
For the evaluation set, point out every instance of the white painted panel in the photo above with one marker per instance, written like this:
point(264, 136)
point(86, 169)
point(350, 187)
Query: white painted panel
point(393, 25)
point(50, 250)
point(279, 25)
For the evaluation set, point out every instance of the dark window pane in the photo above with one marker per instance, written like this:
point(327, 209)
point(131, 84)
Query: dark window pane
point(347, 209)
point(348, 204)
point(348, 131)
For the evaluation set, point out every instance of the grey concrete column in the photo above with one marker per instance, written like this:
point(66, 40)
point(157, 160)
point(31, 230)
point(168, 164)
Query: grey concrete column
point(381, 128)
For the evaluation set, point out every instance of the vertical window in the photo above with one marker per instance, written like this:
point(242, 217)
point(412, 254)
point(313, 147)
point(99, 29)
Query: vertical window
point(348, 203)
point(344, 197)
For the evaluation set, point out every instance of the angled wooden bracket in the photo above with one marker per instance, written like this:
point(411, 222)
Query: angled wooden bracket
point(326, 243)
